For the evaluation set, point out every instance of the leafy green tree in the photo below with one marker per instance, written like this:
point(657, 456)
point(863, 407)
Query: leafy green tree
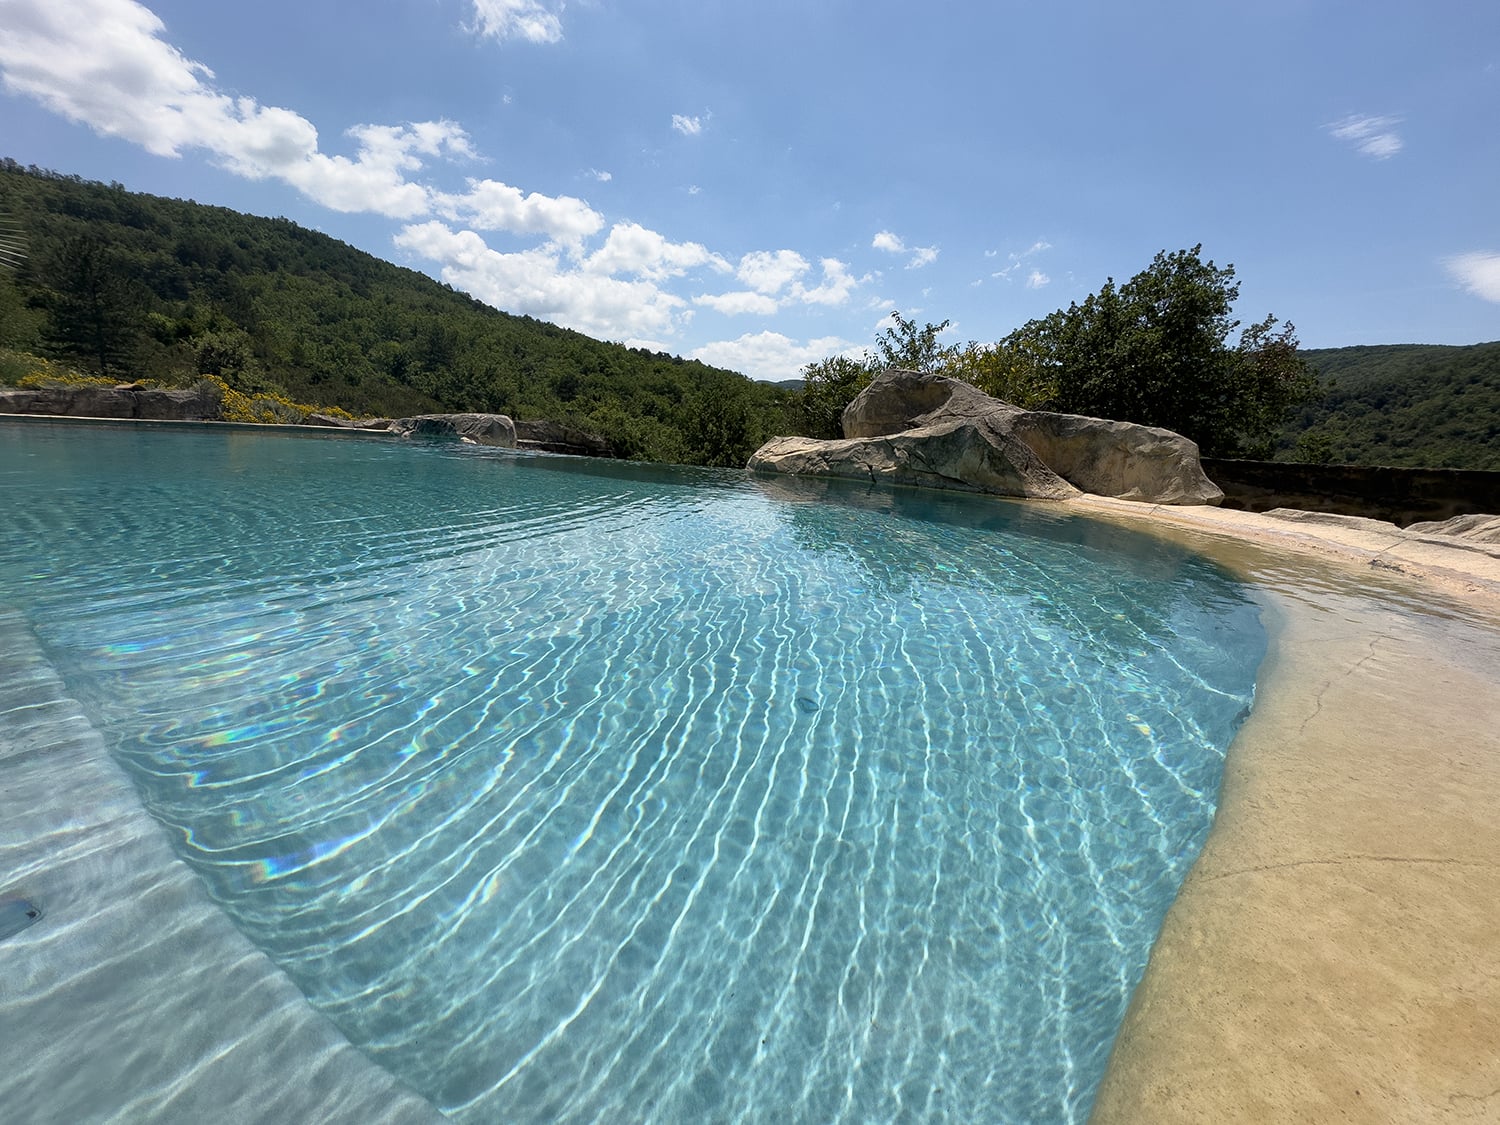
point(910, 348)
point(719, 426)
point(827, 387)
point(1012, 371)
point(1156, 350)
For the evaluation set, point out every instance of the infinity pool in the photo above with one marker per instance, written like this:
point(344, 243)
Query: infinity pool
point(584, 791)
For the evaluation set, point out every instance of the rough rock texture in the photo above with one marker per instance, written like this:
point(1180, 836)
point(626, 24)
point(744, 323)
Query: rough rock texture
point(1474, 533)
point(1479, 529)
point(554, 437)
point(1119, 459)
point(332, 421)
point(897, 400)
point(482, 429)
point(956, 454)
point(913, 428)
point(127, 400)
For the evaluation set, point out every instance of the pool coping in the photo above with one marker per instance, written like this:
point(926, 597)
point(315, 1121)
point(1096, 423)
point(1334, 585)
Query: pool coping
point(1332, 954)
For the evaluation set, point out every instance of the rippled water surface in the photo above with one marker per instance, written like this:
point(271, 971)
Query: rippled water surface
point(577, 791)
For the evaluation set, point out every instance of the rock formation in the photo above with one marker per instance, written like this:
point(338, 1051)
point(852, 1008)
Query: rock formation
point(126, 400)
point(911, 428)
point(482, 429)
point(333, 421)
point(554, 437)
point(955, 454)
point(1475, 528)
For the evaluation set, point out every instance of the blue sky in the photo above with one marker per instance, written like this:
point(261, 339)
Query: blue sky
point(758, 184)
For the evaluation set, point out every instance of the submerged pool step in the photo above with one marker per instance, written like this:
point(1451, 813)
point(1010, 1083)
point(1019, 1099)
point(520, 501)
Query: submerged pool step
point(193, 1023)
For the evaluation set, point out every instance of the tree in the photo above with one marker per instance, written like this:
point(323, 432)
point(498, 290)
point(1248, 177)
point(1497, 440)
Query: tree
point(1013, 371)
point(94, 314)
point(719, 426)
point(832, 384)
point(1156, 351)
point(910, 348)
point(827, 387)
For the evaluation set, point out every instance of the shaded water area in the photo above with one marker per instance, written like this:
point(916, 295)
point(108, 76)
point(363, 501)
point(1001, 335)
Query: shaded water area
point(582, 791)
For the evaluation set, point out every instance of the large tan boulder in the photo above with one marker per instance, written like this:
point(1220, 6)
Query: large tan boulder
point(952, 435)
point(896, 401)
point(334, 422)
point(955, 454)
point(1119, 459)
point(481, 429)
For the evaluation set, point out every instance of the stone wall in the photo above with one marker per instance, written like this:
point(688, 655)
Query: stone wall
point(1403, 496)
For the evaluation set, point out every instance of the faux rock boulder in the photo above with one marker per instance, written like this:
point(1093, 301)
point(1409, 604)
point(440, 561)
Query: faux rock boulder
point(482, 429)
point(955, 454)
point(126, 400)
point(1119, 459)
point(913, 428)
point(554, 437)
point(334, 422)
point(897, 401)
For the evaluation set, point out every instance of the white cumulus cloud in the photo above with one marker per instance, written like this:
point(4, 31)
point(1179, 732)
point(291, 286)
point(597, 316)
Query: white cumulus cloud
point(687, 126)
point(516, 19)
point(492, 205)
point(770, 271)
point(837, 284)
point(768, 355)
point(632, 248)
point(1372, 136)
point(1478, 272)
point(893, 243)
point(539, 283)
point(104, 64)
point(1036, 279)
point(738, 303)
point(775, 280)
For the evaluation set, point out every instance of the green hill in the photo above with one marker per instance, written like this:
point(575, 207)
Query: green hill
point(1413, 405)
point(137, 286)
point(127, 285)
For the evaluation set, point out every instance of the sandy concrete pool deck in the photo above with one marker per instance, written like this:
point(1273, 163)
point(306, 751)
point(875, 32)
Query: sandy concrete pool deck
point(1334, 954)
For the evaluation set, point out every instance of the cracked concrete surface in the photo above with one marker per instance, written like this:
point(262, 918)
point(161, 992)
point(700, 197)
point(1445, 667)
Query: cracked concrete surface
point(1334, 954)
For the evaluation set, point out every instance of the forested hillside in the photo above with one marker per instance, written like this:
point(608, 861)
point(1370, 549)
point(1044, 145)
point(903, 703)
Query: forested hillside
point(133, 286)
point(1415, 405)
point(136, 286)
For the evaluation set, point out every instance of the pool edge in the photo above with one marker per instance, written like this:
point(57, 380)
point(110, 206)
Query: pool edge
point(139, 998)
point(1330, 954)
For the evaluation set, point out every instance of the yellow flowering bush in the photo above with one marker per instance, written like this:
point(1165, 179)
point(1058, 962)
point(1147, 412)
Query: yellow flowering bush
point(266, 409)
point(32, 372)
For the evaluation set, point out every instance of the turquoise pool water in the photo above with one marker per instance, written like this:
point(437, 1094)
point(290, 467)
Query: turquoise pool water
point(577, 791)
